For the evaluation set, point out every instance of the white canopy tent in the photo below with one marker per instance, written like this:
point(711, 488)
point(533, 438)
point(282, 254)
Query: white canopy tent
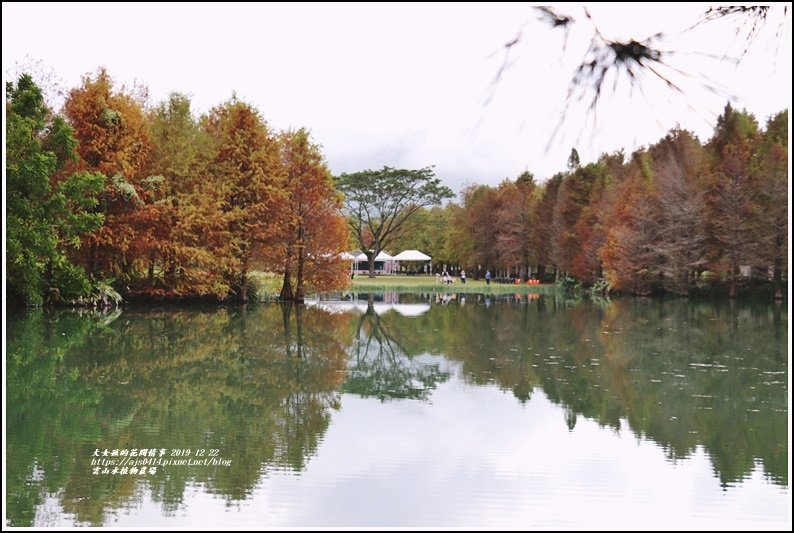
point(412, 255)
point(359, 257)
point(389, 264)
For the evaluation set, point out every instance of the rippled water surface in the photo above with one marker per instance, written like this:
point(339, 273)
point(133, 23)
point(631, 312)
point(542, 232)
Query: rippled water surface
point(402, 410)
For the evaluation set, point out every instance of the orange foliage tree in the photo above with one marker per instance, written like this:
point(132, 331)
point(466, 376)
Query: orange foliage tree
point(314, 232)
point(514, 223)
point(627, 253)
point(248, 179)
point(188, 223)
point(479, 220)
point(573, 198)
point(113, 140)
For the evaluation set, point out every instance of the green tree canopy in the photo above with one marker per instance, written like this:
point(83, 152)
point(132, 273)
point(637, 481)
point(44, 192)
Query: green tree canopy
point(378, 203)
point(44, 216)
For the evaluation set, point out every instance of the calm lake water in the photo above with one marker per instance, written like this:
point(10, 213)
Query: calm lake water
point(402, 410)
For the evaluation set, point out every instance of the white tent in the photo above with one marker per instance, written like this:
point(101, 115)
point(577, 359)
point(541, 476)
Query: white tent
point(389, 264)
point(361, 256)
point(361, 262)
point(412, 255)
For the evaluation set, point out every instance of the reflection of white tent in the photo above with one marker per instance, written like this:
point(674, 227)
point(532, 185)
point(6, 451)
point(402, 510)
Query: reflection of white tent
point(411, 309)
point(361, 306)
point(381, 308)
point(411, 255)
point(338, 306)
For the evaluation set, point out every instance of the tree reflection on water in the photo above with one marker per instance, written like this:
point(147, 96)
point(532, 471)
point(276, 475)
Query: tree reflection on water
point(261, 385)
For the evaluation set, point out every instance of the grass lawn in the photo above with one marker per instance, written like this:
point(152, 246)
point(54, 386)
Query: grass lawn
point(429, 284)
point(268, 285)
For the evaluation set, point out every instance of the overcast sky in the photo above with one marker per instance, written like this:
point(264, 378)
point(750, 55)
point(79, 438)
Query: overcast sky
point(413, 85)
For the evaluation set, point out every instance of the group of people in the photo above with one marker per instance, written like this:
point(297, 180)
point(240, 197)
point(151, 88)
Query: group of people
point(447, 279)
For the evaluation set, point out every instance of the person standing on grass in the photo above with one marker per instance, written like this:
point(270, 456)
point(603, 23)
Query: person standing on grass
point(462, 276)
point(487, 277)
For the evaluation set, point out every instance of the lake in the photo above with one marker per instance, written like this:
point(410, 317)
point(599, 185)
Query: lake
point(508, 411)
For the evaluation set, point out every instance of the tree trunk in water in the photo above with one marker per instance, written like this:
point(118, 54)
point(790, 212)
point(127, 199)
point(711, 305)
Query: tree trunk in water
point(777, 321)
point(299, 294)
point(301, 261)
point(299, 329)
point(286, 311)
point(778, 285)
point(286, 288)
point(777, 276)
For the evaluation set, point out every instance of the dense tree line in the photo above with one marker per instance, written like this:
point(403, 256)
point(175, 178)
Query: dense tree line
point(678, 216)
point(115, 196)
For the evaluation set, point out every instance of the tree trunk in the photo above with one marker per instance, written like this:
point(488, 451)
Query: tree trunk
point(301, 260)
point(777, 276)
point(244, 282)
point(244, 289)
point(170, 275)
point(371, 259)
point(286, 287)
point(150, 273)
point(286, 294)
